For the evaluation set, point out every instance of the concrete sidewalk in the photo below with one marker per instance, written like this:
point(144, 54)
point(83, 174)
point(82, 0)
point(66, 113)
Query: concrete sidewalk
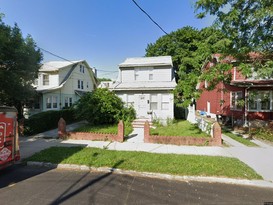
point(258, 158)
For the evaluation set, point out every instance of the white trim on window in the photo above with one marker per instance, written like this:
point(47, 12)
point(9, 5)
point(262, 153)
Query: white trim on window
point(260, 101)
point(234, 98)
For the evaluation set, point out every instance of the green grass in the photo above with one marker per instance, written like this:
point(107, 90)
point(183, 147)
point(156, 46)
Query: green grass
point(191, 165)
point(180, 128)
point(239, 138)
point(108, 129)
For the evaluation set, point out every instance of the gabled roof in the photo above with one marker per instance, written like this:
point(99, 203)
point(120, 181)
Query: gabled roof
point(57, 65)
point(147, 61)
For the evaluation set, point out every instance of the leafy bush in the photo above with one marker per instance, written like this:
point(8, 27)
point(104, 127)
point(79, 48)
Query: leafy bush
point(103, 107)
point(47, 120)
point(264, 133)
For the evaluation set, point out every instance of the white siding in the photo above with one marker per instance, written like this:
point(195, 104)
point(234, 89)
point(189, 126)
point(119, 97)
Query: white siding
point(164, 104)
point(127, 75)
point(163, 74)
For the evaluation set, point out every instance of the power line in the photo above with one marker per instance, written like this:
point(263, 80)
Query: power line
point(53, 54)
point(150, 17)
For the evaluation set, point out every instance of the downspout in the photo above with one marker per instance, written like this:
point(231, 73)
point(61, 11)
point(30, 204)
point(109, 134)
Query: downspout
point(246, 107)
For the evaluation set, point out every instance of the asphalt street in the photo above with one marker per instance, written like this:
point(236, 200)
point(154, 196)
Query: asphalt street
point(39, 185)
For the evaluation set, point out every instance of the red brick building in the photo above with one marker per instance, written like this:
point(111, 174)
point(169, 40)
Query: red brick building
point(243, 99)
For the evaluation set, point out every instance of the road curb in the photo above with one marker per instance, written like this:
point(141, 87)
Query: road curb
point(188, 179)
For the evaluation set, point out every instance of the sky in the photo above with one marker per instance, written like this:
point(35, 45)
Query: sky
point(102, 32)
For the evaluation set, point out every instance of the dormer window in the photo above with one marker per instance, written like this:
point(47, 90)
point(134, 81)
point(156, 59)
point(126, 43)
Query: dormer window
point(45, 79)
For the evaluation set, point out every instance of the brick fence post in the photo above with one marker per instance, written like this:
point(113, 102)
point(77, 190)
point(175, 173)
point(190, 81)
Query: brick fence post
point(62, 128)
point(217, 134)
point(146, 131)
point(120, 131)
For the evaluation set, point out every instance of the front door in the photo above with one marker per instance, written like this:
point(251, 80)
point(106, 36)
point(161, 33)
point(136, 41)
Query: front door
point(143, 106)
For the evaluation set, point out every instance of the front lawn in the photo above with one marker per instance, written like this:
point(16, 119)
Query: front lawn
point(190, 165)
point(180, 128)
point(108, 129)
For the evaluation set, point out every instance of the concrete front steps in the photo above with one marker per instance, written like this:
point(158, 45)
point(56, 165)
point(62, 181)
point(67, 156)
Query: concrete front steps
point(139, 123)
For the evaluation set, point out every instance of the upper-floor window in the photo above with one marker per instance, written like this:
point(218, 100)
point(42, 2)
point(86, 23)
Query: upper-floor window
point(45, 79)
point(236, 99)
point(136, 74)
point(82, 68)
point(80, 84)
point(36, 82)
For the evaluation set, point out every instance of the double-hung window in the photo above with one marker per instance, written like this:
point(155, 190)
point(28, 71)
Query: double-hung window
point(154, 102)
point(68, 101)
point(45, 79)
point(80, 84)
point(165, 101)
point(51, 102)
point(236, 100)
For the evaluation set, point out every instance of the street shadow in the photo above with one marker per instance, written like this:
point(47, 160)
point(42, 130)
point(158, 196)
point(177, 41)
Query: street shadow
point(20, 171)
point(64, 196)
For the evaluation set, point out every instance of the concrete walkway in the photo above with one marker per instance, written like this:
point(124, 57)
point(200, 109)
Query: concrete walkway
point(258, 158)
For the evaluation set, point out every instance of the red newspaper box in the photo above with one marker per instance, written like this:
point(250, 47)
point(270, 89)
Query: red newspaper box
point(9, 140)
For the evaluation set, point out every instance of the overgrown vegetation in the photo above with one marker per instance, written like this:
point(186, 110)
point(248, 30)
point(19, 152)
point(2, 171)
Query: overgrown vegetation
point(103, 107)
point(263, 133)
point(192, 165)
point(238, 138)
point(108, 129)
point(178, 128)
point(47, 120)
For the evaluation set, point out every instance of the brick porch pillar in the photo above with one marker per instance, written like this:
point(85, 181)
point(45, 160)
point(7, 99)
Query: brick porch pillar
point(62, 128)
point(146, 131)
point(217, 134)
point(120, 131)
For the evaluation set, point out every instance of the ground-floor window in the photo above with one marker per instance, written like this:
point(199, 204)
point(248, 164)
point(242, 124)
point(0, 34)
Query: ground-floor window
point(68, 101)
point(130, 100)
point(154, 102)
point(260, 100)
point(236, 99)
point(165, 101)
point(51, 102)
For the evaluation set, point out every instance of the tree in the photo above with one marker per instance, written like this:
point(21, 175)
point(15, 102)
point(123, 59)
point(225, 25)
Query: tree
point(19, 64)
point(249, 25)
point(189, 49)
point(103, 107)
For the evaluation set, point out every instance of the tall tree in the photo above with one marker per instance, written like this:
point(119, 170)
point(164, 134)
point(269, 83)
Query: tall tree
point(249, 25)
point(189, 49)
point(19, 64)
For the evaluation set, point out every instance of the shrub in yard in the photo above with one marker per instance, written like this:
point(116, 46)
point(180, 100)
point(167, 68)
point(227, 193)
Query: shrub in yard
point(103, 107)
point(47, 120)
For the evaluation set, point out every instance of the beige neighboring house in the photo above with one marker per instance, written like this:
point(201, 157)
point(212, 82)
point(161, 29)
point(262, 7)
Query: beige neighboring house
point(146, 83)
point(62, 83)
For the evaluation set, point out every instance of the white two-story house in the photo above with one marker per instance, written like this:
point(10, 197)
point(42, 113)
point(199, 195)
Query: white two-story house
point(62, 83)
point(146, 83)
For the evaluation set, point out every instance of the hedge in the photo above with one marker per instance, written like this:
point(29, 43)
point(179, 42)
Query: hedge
point(45, 121)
